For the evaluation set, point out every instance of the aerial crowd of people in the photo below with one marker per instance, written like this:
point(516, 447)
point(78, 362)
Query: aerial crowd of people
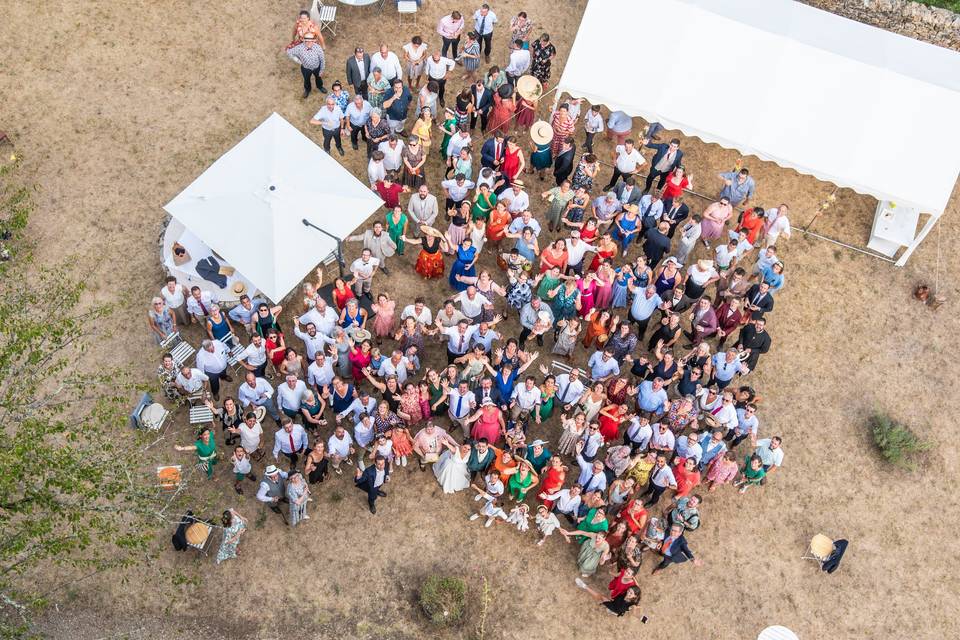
point(654, 310)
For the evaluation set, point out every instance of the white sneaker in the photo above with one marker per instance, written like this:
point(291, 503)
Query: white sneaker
point(580, 583)
point(306, 517)
point(489, 522)
point(477, 497)
point(475, 516)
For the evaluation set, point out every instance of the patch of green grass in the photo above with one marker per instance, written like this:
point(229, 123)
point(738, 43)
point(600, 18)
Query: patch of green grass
point(953, 5)
point(896, 443)
point(443, 599)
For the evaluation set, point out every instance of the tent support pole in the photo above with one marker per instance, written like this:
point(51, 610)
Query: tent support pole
point(927, 228)
point(340, 263)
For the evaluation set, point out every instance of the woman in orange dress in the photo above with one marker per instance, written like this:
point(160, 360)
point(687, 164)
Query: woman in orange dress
point(752, 224)
point(402, 443)
point(598, 328)
point(554, 255)
point(499, 219)
point(432, 245)
point(501, 115)
point(552, 479)
point(610, 417)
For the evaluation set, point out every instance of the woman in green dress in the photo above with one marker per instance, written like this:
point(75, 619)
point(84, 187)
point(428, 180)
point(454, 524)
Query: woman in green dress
point(206, 449)
point(559, 197)
point(483, 203)
point(594, 551)
point(522, 481)
point(397, 227)
point(449, 127)
point(594, 522)
point(548, 393)
point(377, 85)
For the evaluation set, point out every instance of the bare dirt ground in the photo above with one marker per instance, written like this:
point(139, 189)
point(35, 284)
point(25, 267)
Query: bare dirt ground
point(117, 106)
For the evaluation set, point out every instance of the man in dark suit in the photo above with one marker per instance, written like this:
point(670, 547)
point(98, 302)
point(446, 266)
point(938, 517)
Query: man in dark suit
point(759, 299)
point(483, 101)
point(481, 458)
point(628, 187)
point(486, 389)
point(674, 549)
point(667, 158)
point(674, 213)
point(563, 163)
point(493, 152)
point(656, 243)
point(371, 479)
point(754, 338)
point(358, 68)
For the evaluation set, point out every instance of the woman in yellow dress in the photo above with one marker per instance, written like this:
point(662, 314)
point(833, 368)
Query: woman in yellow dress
point(422, 129)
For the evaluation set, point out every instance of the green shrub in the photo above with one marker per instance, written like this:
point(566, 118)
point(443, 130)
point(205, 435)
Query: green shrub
point(443, 599)
point(897, 444)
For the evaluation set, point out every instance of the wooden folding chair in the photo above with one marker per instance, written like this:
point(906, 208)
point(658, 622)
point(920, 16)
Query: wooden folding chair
point(820, 549)
point(199, 536)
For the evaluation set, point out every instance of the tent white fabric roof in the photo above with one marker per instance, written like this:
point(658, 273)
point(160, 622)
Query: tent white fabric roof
point(845, 102)
point(248, 206)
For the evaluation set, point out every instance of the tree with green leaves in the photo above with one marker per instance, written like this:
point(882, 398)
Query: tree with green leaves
point(70, 493)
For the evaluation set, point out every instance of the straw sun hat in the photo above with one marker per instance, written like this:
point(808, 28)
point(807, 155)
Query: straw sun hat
point(541, 132)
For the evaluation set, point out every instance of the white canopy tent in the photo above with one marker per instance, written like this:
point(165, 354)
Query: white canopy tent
point(846, 102)
point(250, 204)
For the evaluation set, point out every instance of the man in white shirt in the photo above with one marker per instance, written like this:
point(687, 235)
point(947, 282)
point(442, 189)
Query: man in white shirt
point(661, 479)
point(570, 389)
point(592, 477)
point(525, 219)
point(363, 269)
point(776, 224)
point(422, 209)
point(662, 440)
point(313, 340)
point(258, 392)
point(397, 365)
point(322, 317)
point(627, 161)
point(212, 360)
point(388, 63)
point(592, 440)
point(175, 296)
point(461, 402)
point(576, 249)
point(519, 62)
point(516, 199)
point(450, 27)
point(356, 117)
point(525, 400)
point(339, 448)
point(639, 432)
point(471, 303)
point(483, 21)
point(456, 190)
point(592, 124)
point(330, 119)
point(688, 447)
point(291, 441)
point(190, 381)
point(459, 141)
point(199, 303)
point(565, 501)
point(392, 150)
point(458, 338)
point(747, 426)
point(320, 373)
point(419, 311)
point(290, 395)
point(438, 67)
point(363, 403)
point(254, 357)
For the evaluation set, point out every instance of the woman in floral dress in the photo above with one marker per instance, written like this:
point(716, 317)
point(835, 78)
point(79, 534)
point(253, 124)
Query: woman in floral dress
point(377, 86)
point(585, 173)
point(558, 197)
point(410, 409)
point(233, 527)
point(542, 54)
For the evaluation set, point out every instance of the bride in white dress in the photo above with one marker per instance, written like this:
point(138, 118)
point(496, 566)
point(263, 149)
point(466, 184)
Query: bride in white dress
point(451, 469)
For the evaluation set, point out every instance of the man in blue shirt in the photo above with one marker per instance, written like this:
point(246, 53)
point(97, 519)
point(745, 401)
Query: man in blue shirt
point(396, 103)
point(738, 188)
point(652, 397)
point(603, 366)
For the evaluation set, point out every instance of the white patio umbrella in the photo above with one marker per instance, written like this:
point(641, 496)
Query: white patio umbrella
point(249, 206)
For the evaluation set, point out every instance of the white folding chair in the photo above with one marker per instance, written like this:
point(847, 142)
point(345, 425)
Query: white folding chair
point(200, 414)
point(324, 15)
point(235, 351)
point(407, 7)
point(182, 352)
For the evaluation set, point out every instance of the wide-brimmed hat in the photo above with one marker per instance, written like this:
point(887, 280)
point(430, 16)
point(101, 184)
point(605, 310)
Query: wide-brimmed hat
point(517, 183)
point(360, 335)
point(270, 470)
point(529, 87)
point(239, 287)
point(181, 258)
point(631, 207)
point(538, 443)
point(541, 132)
point(309, 36)
point(260, 413)
point(430, 231)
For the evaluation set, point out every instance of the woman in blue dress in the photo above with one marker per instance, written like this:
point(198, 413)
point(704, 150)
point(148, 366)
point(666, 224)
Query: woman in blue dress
point(540, 158)
point(624, 229)
point(463, 265)
point(353, 317)
point(620, 289)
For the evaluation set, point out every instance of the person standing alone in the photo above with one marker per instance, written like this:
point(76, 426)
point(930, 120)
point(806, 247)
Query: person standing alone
point(309, 55)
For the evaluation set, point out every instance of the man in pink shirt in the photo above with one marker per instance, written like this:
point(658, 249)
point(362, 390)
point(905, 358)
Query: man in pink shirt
point(450, 27)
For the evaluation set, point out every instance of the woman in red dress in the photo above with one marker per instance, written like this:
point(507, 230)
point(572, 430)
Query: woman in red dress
point(674, 186)
point(501, 115)
point(610, 417)
point(552, 479)
point(634, 515)
point(554, 255)
point(513, 161)
point(606, 248)
point(622, 582)
point(526, 113)
point(341, 294)
point(617, 390)
point(360, 357)
point(499, 220)
point(589, 230)
point(687, 475)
